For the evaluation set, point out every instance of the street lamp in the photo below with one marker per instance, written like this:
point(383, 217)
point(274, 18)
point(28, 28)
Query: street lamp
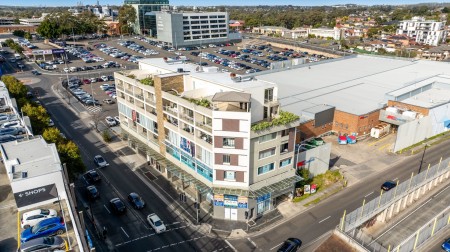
point(423, 155)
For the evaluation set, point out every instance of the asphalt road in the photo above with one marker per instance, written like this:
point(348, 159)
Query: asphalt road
point(325, 216)
point(129, 232)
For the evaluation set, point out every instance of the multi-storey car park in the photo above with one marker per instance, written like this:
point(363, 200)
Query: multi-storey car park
point(206, 125)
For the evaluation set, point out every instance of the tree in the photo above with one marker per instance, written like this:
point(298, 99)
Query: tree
point(97, 117)
point(372, 32)
point(28, 36)
point(48, 29)
point(446, 10)
point(38, 117)
point(127, 16)
point(53, 135)
point(14, 86)
point(19, 33)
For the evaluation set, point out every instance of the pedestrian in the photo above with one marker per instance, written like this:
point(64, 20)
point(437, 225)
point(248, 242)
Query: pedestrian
point(105, 231)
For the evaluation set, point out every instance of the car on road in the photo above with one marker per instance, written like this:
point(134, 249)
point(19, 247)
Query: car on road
point(91, 102)
point(92, 176)
point(47, 227)
point(51, 123)
point(92, 192)
point(108, 101)
point(44, 244)
point(136, 201)
point(446, 245)
point(291, 244)
point(32, 217)
point(156, 223)
point(118, 206)
point(35, 72)
point(110, 121)
point(388, 185)
point(100, 161)
point(117, 119)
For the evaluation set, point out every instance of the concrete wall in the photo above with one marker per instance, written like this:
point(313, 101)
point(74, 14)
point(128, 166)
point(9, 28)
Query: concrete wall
point(405, 106)
point(317, 160)
point(413, 132)
point(437, 116)
point(310, 51)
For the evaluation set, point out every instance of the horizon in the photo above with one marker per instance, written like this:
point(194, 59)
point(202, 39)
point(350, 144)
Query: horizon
point(56, 3)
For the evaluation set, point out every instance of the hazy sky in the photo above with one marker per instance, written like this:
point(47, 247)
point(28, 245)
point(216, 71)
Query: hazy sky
point(221, 2)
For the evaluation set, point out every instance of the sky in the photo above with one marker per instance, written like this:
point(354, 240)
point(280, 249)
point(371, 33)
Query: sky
point(226, 2)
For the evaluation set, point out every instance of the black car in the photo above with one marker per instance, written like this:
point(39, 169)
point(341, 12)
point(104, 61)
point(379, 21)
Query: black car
point(35, 72)
point(92, 192)
point(117, 206)
point(110, 77)
point(388, 185)
point(90, 102)
point(136, 200)
point(291, 244)
point(92, 176)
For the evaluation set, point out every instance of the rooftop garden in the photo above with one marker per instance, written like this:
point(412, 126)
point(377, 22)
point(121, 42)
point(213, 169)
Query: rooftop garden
point(132, 76)
point(283, 118)
point(200, 102)
point(147, 81)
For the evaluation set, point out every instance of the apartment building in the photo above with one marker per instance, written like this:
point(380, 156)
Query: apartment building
point(145, 17)
point(427, 32)
point(193, 29)
point(7, 20)
point(221, 139)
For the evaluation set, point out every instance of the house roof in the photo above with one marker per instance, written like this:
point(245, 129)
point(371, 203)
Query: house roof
point(231, 96)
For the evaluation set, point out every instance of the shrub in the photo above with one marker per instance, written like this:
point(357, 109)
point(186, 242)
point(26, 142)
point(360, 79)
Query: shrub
point(106, 136)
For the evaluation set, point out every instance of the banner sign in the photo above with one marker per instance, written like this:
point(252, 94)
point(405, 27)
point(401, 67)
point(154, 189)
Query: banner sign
point(242, 202)
point(313, 188)
point(58, 51)
point(307, 189)
point(230, 201)
point(218, 199)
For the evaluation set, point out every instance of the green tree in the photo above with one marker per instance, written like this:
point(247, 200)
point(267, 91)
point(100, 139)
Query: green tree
point(372, 32)
point(19, 33)
point(49, 29)
point(53, 135)
point(127, 16)
point(28, 36)
point(14, 86)
point(445, 10)
point(38, 117)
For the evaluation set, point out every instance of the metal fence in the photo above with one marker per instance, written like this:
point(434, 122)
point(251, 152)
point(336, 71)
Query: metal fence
point(424, 233)
point(370, 209)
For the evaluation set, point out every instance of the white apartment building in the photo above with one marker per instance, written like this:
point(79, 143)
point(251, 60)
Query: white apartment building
point(194, 28)
point(197, 127)
point(427, 32)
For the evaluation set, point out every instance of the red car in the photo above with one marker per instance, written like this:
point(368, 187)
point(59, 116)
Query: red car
point(87, 81)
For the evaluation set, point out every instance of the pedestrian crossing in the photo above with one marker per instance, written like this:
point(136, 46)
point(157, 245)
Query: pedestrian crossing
point(93, 109)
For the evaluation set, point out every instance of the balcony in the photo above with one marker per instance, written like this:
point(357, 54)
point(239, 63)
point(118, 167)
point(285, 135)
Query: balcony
point(187, 118)
point(171, 110)
point(139, 96)
point(205, 137)
point(206, 127)
point(129, 91)
point(119, 86)
point(187, 128)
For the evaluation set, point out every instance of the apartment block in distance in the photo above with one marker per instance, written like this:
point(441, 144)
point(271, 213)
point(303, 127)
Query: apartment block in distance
point(221, 139)
point(194, 28)
point(427, 32)
point(145, 15)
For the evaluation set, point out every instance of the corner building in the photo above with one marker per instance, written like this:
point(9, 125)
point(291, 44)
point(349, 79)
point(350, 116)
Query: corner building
point(194, 125)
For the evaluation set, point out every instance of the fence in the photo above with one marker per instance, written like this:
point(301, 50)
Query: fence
point(427, 231)
point(377, 205)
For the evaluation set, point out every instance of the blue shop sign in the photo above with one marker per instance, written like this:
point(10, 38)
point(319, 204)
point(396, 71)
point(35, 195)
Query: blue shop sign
point(263, 197)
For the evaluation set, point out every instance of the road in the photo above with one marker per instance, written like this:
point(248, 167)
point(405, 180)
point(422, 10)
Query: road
point(129, 232)
point(325, 216)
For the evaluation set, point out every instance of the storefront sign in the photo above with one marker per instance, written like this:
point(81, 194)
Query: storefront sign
point(313, 188)
point(218, 200)
point(263, 197)
point(187, 146)
point(230, 201)
point(35, 195)
point(307, 189)
point(58, 51)
point(242, 202)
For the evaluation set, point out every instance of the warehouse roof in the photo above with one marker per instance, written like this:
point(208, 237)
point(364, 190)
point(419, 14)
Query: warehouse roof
point(356, 85)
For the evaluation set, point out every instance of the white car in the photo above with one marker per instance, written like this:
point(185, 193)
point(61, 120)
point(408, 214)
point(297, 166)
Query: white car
point(100, 161)
point(31, 218)
point(51, 123)
point(156, 223)
point(66, 70)
point(93, 80)
point(104, 86)
point(110, 121)
point(104, 78)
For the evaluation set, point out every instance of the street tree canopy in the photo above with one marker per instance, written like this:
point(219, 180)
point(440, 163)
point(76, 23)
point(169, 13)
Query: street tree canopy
point(127, 16)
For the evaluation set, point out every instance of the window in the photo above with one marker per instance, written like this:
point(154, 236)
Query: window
point(284, 148)
point(267, 153)
point(229, 175)
point(285, 132)
point(268, 95)
point(267, 137)
point(285, 162)
point(266, 168)
point(226, 159)
point(228, 142)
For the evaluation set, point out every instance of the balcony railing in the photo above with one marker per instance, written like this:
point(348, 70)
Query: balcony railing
point(206, 127)
point(189, 130)
point(119, 86)
point(187, 118)
point(170, 110)
point(140, 96)
point(206, 138)
point(128, 91)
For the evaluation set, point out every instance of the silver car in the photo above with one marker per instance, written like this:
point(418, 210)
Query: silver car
point(44, 244)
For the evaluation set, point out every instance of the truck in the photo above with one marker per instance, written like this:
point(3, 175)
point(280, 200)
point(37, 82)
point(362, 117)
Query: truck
point(380, 130)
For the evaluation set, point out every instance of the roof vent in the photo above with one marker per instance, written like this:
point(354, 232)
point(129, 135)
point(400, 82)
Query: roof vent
point(24, 174)
point(180, 70)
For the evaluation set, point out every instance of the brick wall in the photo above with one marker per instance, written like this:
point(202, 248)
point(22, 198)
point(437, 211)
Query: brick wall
point(160, 115)
point(405, 106)
point(308, 129)
point(11, 28)
point(172, 83)
point(346, 123)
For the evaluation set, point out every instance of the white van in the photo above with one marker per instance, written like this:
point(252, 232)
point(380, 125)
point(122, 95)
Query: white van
point(17, 56)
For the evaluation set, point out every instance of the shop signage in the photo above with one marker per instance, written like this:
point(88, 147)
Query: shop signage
point(394, 118)
point(218, 200)
point(35, 195)
point(307, 189)
point(58, 51)
point(263, 197)
point(313, 188)
point(242, 202)
point(230, 201)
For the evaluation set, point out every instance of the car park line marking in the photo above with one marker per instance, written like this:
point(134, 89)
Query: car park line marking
point(325, 219)
point(252, 242)
point(368, 194)
point(395, 179)
point(125, 232)
point(107, 209)
point(276, 246)
point(384, 146)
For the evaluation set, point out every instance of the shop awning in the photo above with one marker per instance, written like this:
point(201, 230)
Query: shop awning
point(229, 191)
point(186, 177)
point(277, 188)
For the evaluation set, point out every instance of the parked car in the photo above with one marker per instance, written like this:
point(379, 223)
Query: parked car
point(12, 131)
point(108, 101)
point(388, 185)
point(136, 201)
point(117, 119)
point(156, 223)
point(44, 244)
point(11, 124)
point(446, 245)
point(47, 227)
point(118, 206)
point(104, 78)
point(51, 123)
point(92, 176)
point(110, 121)
point(92, 192)
point(100, 161)
point(7, 138)
point(31, 218)
point(104, 86)
point(291, 244)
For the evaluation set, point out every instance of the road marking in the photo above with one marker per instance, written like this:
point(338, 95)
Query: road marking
point(125, 232)
point(368, 194)
point(395, 179)
point(175, 223)
point(276, 246)
point(384, 146)
point(107, 209)
point(441, 192)
point(231, 246)
point(253, 243)
point(378, 141)
point(324, 219)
